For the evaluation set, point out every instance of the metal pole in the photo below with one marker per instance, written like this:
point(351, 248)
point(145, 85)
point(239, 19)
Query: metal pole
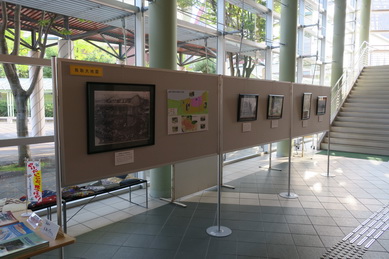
point(219, 231)
point(57, 142)
point(289, 195)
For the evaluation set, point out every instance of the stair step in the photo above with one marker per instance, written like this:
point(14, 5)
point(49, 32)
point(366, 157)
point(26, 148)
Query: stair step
point(383, 126)
point(367, 100)
point(356, 114)
point(356, 149)
point(373, 137)
point(338, 128)
point(368, 95)
point(362, 120)
point(365, 110)
point(358, 142)
point(367, 105)
point(376, 68)
point(368, 92)
point(374, 76)
point(378, 85)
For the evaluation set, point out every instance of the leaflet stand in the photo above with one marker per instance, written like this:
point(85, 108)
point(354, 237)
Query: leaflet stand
point(289, 195)
point(173, 193)
point(219, 231)
point(270, 153)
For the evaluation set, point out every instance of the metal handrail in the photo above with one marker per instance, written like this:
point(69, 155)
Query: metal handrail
point(343, 86)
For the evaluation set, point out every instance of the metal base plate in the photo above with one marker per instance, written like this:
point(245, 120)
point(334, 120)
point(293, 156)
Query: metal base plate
point(221, 231)
point(174, 202)
point(327, 175)
point(288, 195)
point(228, 186)
point(270, 168)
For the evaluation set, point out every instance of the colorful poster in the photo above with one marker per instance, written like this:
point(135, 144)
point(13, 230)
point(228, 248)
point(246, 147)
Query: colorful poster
point(34, 181)
point(187, 111)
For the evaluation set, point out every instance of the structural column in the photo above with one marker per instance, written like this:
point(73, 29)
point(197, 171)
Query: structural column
point(288, 32)
point(163, 54)
point(365, 21)
point(37, 101)
point(269, 40)
point(338, 41)
point(221, 52)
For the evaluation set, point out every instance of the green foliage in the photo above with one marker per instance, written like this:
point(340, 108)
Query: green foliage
point(3, 104)
point(64, 32)
point(85, 51)
point(205, 66)
point(44, 22)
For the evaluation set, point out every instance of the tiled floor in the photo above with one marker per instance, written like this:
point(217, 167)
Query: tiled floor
point(263, 224)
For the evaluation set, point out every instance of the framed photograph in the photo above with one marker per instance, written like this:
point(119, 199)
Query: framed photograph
point(120, 116)
point(247, 107)
point(275, 105)
point(321, 105)
point(306, 108)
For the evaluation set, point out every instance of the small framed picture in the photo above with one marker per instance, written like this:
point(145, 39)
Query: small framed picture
point(275, 105)
point(321, 105)
point(306, 108)
point(248, 107)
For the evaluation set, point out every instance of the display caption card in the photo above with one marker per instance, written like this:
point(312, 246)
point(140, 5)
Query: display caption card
point(246, 127)
point(124, 157)
point(49, 229)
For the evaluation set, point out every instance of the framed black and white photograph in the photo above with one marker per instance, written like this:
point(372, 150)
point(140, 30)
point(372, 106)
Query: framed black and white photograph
point(321, 105)
point(275, 105)
point(306, 106)
point(247, 107)
point(120, 116)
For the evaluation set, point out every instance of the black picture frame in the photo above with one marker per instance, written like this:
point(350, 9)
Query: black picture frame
point(119, 116)
point(306, 106)
point(248, 107)
point(321, 105)
point(275, 105)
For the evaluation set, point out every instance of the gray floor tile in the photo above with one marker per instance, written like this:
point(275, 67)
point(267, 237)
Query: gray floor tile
point(307, 240)
point(279, 239)
point(100, 251)
point(251, 249)
point(302, 229)
point(166, 242)
point(282, 251)
point(310, 252)
point(221, 246)
point(138, 240)
point(276, 227)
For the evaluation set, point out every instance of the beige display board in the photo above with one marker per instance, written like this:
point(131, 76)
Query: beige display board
point(77, 166)
point(262, 130)
point(183, 150)
point(316, 123)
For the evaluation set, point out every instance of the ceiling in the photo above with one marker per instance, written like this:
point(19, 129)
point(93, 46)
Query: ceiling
point(104, 20)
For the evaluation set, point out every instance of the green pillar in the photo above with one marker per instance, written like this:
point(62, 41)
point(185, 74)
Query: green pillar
point(163, 34)
point(288, 34)
point(365, 21)
point(338, 41)
point(163, 54)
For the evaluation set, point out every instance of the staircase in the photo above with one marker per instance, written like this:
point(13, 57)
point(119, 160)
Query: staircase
point(362, 124)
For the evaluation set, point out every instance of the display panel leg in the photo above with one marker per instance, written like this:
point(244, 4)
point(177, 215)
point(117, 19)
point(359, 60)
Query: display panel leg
point(172, 199)
point(328, 174)
point(270, 167)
